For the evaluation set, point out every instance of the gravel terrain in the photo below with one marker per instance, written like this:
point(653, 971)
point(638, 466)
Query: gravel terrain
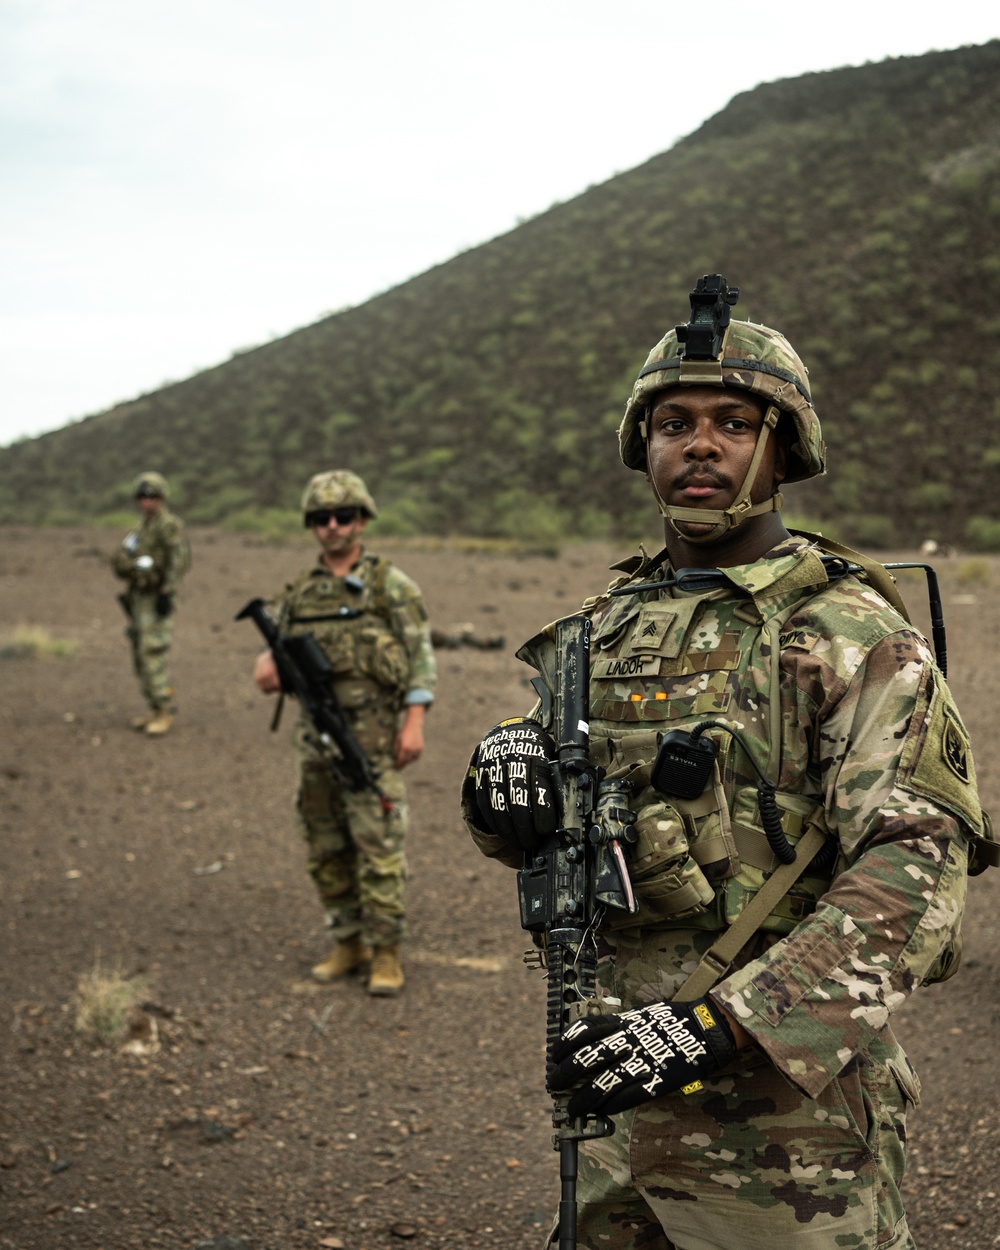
point(253, 1109)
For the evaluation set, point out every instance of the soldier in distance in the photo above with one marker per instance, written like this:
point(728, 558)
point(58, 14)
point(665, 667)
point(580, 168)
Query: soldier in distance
point(151, 560)
point(370, 620)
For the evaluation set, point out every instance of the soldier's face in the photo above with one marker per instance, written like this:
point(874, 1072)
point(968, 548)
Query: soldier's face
point(149, 505)
point(701, 442)
point(335, 539)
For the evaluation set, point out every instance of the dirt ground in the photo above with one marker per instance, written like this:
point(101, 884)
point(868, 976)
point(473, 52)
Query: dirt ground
point(259, 1111)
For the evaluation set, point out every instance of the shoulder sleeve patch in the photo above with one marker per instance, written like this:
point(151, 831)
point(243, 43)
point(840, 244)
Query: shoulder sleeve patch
point(955, 746)
point(936, 760)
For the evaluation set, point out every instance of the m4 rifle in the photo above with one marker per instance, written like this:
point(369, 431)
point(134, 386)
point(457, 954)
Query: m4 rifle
point(567, 883)
point(305, 672)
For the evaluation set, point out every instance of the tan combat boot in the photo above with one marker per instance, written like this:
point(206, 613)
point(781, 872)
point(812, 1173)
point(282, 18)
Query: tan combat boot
point(140, 722)
point(159, 722)
point(386, 978)
point(344, 958)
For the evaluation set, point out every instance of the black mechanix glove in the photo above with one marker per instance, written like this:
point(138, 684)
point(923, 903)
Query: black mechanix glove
point(164, 604)
point(621, 1061)
point(515, 793)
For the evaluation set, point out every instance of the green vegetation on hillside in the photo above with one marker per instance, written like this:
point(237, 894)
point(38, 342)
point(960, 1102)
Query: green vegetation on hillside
point(859, 211)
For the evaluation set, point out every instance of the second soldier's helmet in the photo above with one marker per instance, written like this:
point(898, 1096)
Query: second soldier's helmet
point(150, 486)
point(338, 488)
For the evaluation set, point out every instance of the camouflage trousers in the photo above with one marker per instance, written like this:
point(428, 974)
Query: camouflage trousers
point(749, 1162)
point(356, 852)
point(150, 636)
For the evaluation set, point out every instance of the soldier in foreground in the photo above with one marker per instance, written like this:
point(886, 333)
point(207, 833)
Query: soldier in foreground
point(370, 622)
point(768, 695)
point(152, 560)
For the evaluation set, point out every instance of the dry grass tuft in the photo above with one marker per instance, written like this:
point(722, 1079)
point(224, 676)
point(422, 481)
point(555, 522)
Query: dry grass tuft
point(105, 1000)
point(973, 571)
point(29, 642)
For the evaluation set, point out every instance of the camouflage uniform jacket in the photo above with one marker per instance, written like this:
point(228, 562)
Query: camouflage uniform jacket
point(161, 538)
point(373, 626)
point(857, 729)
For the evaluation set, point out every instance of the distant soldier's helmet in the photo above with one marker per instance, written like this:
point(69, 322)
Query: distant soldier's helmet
point(150, 486)
point(712, 350)
point(337, 489)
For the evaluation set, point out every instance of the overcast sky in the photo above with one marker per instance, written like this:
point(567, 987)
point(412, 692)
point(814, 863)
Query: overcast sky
point(183, 178)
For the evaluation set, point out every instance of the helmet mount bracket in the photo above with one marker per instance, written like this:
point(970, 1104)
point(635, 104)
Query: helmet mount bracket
point(711, 302)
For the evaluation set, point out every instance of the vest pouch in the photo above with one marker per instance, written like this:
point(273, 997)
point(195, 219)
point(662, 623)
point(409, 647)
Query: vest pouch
point(710, 831)
point(372, 713)
point(624, 756)
point(757, 860)
point(146, 581)
point(383, 657)
point(337, 641)
point(668, 883)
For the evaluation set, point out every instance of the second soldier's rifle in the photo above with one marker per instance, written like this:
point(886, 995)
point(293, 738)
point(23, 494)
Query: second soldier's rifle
point(305, 672)
point(568, 882)
point(126, 607)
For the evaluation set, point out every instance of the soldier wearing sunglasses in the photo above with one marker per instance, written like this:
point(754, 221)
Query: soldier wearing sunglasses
point(370, 620)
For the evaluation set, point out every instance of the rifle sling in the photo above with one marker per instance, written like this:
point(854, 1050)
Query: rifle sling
point(879, 577)
point(717, 960)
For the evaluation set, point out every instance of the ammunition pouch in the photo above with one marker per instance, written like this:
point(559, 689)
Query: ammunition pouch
point(758, 862)
point(357, 637)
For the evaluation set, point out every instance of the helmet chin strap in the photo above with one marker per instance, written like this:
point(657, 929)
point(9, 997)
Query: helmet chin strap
point(723, 520)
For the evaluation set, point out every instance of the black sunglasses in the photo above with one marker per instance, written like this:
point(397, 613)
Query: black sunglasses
point(343, 516)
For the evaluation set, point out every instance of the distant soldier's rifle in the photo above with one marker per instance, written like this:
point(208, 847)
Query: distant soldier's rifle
point(305, 672)
point(132, 628)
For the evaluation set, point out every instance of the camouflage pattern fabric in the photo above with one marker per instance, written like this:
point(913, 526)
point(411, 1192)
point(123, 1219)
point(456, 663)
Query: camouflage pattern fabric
point(163, 539)
point(749, 1161)
point(150, 637)
point(355, 851)
point(844, 709)
point(338, 488)
point(373, 627)
point(159, 542)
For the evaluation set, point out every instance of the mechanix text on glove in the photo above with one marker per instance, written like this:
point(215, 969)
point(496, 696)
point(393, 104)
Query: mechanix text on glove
point(515, 793)
point(621, 1061)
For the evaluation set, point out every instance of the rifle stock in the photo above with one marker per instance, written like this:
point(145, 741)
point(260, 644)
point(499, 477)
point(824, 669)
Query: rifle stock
point(305, 672)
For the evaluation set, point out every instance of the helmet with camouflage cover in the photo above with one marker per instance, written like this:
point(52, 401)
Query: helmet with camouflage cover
point(712, 350)
point(150, 486)
point(338, 488)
